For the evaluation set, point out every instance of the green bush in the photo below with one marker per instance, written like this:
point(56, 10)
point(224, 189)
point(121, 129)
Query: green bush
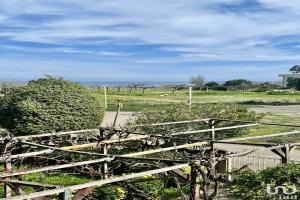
point(49, 105)
point(250, 185)
point(181, 112)
point(147, 187)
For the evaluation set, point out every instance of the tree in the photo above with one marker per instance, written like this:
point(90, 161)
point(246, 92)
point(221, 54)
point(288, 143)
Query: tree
point(295, 69)
point(250, 185)
point(212, 84)
point(293, 83)
point(238, 83)
point(49, 105)
point(198, 81)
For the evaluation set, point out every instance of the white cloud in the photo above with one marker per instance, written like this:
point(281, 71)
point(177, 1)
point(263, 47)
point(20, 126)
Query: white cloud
point(191, 29)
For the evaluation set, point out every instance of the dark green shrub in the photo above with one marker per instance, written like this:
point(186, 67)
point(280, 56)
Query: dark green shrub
point(212, 84)
point(147, 187)
point(49, 105)
point(250, 185)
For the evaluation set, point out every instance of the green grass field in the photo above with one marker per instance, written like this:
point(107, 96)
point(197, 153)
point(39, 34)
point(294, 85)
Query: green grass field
point(161, 96)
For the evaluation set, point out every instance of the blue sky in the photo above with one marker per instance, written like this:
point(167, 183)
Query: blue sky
point(148, 40)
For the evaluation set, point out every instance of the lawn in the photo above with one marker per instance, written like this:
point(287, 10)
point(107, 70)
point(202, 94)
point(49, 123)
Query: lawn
point(153, 97)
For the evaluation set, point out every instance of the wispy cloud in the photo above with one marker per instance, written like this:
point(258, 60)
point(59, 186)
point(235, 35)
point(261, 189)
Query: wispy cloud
point(152, 33)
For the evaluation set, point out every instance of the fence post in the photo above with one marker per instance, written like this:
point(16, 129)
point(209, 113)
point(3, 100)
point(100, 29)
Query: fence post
point(7, 168)
point(213, 136)
point(195, 184)
point(105, 165)
point(229, 168)
point(66, 195)
point(105, 97)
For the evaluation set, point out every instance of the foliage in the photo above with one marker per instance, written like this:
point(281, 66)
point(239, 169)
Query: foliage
point(109, 192)
point(180, 112)
point(295, 69)
point(198, 81)
point(267, 86)
point(250, 185)
point(212, 84)
point(238, 83)
point(140, 188)
point(293, 83)
point(48, 105)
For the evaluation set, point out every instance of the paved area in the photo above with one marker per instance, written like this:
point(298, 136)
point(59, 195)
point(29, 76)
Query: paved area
point(285, 110)
point(122, 119)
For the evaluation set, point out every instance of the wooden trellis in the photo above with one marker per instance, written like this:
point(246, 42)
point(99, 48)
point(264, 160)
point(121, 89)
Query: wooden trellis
point(84, 189)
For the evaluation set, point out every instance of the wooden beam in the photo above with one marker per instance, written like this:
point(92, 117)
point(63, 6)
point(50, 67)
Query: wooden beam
point(262, 136)
point(125, 156)
point(97, 144)
point(246, 143)
point(7, 169)
point(75, 147)
point(263, 123)
point(168, 149)
point(171, 123)
point(54, 134)
point(215, 129)
point(96, 183)
point(53, 167)
point(30, 184)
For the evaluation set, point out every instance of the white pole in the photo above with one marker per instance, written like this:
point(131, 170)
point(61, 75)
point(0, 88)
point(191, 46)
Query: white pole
point(190, 96)
point(105, 98)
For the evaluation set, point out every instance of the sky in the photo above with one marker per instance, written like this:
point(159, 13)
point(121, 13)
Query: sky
point(148, 40)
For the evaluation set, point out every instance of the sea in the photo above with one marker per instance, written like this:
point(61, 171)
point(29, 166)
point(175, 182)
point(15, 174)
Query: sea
point(127, 83)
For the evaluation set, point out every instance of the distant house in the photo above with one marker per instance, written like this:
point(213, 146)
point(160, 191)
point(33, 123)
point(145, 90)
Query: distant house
point(295, 73)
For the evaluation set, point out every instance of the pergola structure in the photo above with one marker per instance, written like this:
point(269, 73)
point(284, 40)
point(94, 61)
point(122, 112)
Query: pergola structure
point(13, 183)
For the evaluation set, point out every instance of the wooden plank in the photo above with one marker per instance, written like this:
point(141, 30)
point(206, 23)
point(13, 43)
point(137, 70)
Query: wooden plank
point(96, 183)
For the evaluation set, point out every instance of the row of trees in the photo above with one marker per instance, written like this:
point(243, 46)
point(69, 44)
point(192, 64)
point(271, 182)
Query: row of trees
point(239, 84)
